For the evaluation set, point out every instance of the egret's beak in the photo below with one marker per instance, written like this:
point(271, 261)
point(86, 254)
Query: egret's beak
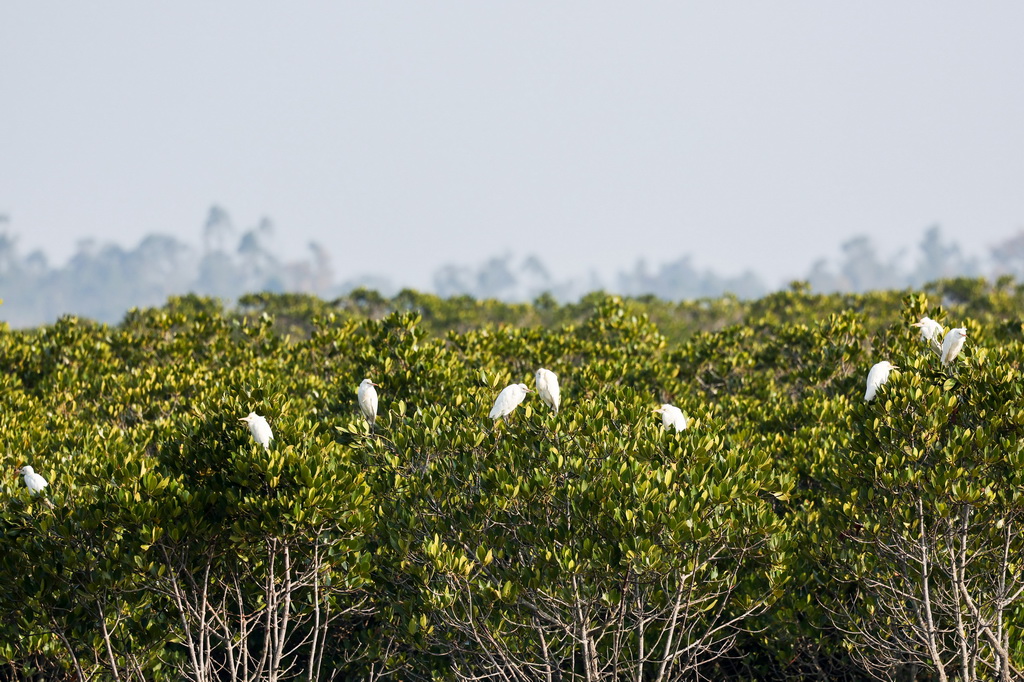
point(373, 384)
point(658, 410)
point(916, 324)
point(243, 419)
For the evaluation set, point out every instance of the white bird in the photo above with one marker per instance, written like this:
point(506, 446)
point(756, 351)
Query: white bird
point(34, 482)
point(877, 375)
point(508, 400)
point(952, 344)
point(367, 397)
point(672, 416)
point(931, 331)
point(547, 388)
point(259, 428)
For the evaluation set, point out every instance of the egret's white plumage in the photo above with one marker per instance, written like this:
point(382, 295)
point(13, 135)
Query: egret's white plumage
point(952, 344)
point(259, 428)
point(877, 375)
point(367, 397)
point(931, 332)
point(508, 400)
point(547, 388)
point(34, 482)
point(672, 416)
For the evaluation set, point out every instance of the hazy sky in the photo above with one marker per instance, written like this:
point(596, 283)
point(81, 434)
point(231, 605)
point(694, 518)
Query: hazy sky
point(405, 136)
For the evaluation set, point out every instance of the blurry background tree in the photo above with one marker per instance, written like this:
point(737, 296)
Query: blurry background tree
point(103, 281)
point(1009, 255)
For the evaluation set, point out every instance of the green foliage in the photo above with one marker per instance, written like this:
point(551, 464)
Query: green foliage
point(782, 535)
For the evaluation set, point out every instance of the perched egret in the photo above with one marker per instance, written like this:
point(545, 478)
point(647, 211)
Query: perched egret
point(34, 482)
point(672, 416)
point(367, 398)
point(931, 332)
point(259, 428)
point(877, 375)
point(508, 400)
point(952, 344)
point(547, 388)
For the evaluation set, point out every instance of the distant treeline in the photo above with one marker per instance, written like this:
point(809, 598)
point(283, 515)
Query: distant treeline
point(103, 281)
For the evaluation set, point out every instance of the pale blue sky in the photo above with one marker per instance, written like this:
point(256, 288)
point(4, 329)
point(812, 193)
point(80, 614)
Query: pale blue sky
point(408, 135)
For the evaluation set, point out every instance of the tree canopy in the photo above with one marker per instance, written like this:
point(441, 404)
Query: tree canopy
point(792, 530)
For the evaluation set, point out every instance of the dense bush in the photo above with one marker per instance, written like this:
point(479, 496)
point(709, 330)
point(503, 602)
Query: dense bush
point(793, 531)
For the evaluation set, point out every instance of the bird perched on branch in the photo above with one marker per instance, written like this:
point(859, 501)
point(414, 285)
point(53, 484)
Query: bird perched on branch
point(672, 416)
point(259, 428)
point(508, 400)
point(952, 344)
point(34, 482)
point(367, 398)
point(931, 332)
point(877, 375)
point(547, 388)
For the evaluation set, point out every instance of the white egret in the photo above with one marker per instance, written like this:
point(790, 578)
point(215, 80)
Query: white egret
point(508, 400)
point(931, 332)
point(367, 397)
point(672, 416)
point(877, 375)
point(259, 428)
point(34, 482)
point(547, 388)
point(952, 344)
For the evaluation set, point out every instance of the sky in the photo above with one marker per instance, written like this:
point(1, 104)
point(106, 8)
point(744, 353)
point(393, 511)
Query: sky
point(406, 136)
